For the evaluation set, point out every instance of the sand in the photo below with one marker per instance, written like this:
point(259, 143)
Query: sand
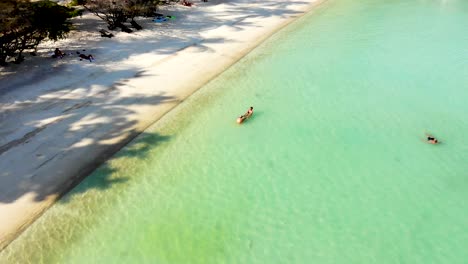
point(61, 118)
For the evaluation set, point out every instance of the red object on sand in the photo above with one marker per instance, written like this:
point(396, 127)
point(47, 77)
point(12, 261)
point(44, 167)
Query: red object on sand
point(186, 3)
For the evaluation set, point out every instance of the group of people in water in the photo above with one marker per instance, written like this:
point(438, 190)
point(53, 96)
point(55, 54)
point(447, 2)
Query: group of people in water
point(59, 54)
point(430, 139)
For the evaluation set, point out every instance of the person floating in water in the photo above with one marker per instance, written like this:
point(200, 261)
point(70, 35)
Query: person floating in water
point(431, 139)
point(249, 112)
point(243, 117)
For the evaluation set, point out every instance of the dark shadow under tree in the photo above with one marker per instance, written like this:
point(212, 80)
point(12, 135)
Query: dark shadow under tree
point(24, 24)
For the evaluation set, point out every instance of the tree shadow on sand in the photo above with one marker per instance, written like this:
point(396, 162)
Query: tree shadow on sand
point(64, 138)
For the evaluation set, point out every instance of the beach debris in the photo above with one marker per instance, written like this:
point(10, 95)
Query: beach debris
point(162, 18)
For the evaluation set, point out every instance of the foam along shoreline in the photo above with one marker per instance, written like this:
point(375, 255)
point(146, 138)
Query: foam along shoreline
point(60, 121)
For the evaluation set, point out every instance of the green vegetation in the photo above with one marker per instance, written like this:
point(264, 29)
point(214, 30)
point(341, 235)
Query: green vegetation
point(24, 24)
point(116, 12)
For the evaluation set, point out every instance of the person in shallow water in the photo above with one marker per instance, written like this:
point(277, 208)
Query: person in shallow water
point(431, 139)
point(243, 117)
point(249, 112)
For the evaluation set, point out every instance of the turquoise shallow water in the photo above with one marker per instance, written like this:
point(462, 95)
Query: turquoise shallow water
point(332, 168)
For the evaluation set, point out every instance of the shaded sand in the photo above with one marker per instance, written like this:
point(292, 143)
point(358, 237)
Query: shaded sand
point(60, 119)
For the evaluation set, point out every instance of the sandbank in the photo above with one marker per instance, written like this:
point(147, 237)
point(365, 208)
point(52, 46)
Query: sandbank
point(61, 118)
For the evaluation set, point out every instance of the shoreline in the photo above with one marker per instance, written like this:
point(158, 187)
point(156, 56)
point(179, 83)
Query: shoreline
point(66, 130)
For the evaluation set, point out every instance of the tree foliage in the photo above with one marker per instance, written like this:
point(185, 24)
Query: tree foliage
point(24, 24)
point(116, 12)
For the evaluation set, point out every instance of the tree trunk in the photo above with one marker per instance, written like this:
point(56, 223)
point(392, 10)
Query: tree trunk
point(3, 57)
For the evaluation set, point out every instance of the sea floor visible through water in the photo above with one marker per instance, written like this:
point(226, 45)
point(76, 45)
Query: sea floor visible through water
point(333, 166)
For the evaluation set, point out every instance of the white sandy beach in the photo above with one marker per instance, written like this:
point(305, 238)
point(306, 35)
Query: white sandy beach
point(61, 118)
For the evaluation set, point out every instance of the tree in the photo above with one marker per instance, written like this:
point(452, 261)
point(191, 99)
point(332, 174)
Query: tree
point(112, 12)
point(11, 23)
point(24, 24)
point(116, 12)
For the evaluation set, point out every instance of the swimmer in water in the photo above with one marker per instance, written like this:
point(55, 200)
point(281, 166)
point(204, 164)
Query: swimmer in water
point(241, 119)
point(249, 112)
point(431, 139)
